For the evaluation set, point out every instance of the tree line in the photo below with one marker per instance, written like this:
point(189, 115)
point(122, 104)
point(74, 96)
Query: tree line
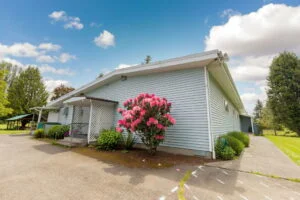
point(282, 107)
point(23, 88)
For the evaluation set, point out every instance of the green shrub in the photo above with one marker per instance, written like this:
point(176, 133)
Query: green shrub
point(58, 131)
point(227, 153)
point(235, 144)
point(243, 137)
point(109, 140)
point(39, 133)
point(222, 150)
point(127, 141)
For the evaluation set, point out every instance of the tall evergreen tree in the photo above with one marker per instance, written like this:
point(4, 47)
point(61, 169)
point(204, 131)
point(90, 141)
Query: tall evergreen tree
point(4, 110)
point(148, 59)
point(258, 110)
point(258, 114)
point(27, 91)
point(284, 90)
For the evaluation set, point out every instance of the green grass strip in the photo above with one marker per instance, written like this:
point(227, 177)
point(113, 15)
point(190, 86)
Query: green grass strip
point(276, 177)
point(289, 145)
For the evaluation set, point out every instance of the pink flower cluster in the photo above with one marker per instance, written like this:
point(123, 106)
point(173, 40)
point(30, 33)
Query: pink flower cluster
point(159, 137)
point(146, 113)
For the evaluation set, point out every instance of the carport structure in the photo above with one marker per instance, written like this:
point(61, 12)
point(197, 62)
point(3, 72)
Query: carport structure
point(17, 120)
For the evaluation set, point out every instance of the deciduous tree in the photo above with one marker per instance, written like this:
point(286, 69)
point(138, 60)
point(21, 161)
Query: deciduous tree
point(268, 120)
point(27, 91)
point(4, 109)
point(60, 91)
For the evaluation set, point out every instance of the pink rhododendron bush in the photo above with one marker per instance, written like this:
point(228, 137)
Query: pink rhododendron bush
point(148, 116)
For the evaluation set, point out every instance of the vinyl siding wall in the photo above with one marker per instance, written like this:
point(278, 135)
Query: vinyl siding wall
point(52, 116)
point(65, 119)
point(184, 88)
point(221, 121)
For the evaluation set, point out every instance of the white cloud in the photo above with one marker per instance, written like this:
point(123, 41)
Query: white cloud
point(58, 15)
point(74, 22)
point(250, 99)
point(38, 52)
point(105, 39)
point(269, 30)
point(12, 61)
point(60, 71)
point(252, 40)
point(251, 68)
point(70, 22)
point(95, 25)
point(121, 66)
point(229, 13)
point(44, 68)
point(49, 47)
point(51, 84)
point(65, 57)
point(45, 59)
point(19, 50)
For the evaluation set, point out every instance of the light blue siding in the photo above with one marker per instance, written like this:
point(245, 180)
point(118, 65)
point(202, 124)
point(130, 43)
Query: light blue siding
point(184, 88)
point(65, 119)
point(221, 120)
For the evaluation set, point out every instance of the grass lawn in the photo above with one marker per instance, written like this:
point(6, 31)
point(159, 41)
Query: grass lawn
point(289, 145)
point(280, 133)
point(4, 131)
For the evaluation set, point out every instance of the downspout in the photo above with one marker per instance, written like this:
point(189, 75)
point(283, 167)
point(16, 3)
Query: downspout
point(211, 138)
point(251, 119)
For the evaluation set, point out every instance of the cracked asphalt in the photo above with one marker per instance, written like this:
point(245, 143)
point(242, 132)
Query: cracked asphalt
point(31, 169)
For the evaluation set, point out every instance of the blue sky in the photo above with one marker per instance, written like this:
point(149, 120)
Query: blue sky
point(63, 44)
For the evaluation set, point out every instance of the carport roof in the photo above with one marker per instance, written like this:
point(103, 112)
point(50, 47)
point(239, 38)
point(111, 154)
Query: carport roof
point(18, 117)
point(85, 101)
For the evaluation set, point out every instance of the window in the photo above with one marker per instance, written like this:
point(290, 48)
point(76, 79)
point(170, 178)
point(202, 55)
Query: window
point(66, 111)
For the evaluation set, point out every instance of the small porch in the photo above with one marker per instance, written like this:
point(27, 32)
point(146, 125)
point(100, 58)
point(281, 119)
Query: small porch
point(90, 115)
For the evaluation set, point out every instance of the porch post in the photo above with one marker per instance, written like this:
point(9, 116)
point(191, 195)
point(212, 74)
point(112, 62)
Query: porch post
point(72, 118)
point(40, 115)
point(90, 120)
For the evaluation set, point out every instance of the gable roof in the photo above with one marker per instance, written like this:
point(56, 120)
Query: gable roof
point(212, 59)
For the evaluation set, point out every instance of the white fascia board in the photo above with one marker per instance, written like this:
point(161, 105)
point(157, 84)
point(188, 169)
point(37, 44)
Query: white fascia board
point(242, 110)
point(139, 68)
point(74, 99)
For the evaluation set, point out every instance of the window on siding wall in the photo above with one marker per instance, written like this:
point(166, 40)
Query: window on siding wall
point(66, 111)
point(226, 106)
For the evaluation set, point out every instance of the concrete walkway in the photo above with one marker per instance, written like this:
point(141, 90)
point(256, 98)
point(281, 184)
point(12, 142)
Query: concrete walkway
point(264, 157)
point(35, 170)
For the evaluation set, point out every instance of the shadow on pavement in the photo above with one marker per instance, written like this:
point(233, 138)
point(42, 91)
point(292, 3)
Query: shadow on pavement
point(17, 135)
point(50, 149)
